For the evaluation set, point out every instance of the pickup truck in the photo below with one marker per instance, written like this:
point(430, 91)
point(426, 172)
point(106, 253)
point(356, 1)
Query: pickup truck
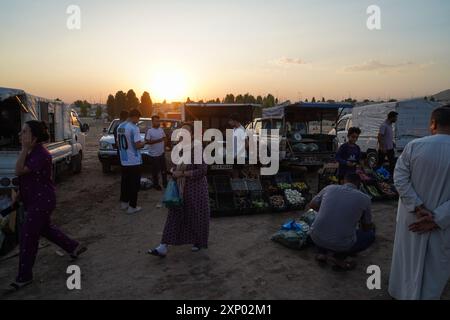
point(108, 154)
point(301, 131)
point(67, 134)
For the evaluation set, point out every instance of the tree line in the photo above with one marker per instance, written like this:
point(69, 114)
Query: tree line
point(85, 107)
point(266, 101)
point(129, 101)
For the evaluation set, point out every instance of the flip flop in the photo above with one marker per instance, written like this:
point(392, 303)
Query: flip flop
point(348, 266)
point(156, 253)
point(78, 251)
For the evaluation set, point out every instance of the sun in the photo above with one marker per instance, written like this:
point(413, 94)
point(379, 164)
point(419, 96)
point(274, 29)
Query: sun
point(169, 85)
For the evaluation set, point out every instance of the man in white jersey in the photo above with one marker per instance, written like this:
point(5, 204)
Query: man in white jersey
point(129, 142)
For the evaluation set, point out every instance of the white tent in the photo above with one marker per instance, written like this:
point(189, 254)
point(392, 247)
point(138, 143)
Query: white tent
point(413, 119)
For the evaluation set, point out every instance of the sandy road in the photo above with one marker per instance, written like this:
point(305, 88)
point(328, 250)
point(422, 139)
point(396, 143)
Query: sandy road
point(241, 263)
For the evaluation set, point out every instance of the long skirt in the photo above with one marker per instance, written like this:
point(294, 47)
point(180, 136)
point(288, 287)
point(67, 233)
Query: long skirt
point(189, 224)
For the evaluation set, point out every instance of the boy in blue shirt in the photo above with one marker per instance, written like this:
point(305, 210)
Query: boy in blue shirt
point(349, 154)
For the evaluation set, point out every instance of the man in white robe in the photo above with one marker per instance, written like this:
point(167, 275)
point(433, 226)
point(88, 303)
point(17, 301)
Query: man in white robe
point(421, 258)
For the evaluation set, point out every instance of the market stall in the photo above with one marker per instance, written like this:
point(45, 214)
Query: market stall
point(279, 193)
point(377, 184)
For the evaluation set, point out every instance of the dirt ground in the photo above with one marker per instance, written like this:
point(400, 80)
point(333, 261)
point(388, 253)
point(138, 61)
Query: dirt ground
point(241, 263)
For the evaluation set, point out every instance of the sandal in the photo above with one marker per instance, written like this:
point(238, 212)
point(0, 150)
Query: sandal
point(343, 266)
point(155, 252)
point(78, 251)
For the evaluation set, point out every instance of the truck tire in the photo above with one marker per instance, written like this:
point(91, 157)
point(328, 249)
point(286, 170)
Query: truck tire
point(372, 158)
point(77, 164)
point(106, 167)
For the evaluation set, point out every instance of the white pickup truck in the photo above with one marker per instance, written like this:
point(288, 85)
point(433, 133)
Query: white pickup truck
point(67, 134)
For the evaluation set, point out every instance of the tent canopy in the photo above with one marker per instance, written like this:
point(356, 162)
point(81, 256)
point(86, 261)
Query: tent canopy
point(215, 115)
point(306, 112)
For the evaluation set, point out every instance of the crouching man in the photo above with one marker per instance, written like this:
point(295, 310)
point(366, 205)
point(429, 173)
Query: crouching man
point(335, 232)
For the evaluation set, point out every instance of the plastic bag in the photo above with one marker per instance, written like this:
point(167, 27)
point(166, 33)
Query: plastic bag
point(172, 197)
point(293, 234)
point(383, 173)
point(291, 225)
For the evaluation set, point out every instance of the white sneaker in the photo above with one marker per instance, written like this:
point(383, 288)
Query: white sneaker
point(124, 205)
point(132, 210)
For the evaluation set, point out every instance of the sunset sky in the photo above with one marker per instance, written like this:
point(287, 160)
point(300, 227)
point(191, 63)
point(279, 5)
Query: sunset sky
point(206, 49)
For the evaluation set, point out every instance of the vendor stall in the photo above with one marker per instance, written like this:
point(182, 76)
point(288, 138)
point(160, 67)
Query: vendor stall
point(279, 193)
point(377, 184)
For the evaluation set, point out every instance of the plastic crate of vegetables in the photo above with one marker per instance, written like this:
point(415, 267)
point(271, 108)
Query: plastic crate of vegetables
point(278, 203)
point(300, 186)
point(260, 206)
point(294, 199)
point(239, 186)
point(284, 186)
point(253, 185)
point(269, 188)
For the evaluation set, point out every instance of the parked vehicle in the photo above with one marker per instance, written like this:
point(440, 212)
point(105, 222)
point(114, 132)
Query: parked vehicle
point(67, 133)
point(217, 115)
point(301, 131)
point(108, 153)
point(413, 122)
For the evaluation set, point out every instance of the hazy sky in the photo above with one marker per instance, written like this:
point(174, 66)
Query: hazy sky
point(205, 49)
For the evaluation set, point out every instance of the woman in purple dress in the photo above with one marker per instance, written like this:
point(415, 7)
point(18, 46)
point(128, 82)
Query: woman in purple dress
point(188, 224)
point(37, 192)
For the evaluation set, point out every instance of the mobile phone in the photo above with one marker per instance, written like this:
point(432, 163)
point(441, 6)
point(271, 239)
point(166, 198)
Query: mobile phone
point(6, 212)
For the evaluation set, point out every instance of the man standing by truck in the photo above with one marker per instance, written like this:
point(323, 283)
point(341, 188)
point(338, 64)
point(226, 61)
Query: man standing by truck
point(130, 141)
point(386, 142)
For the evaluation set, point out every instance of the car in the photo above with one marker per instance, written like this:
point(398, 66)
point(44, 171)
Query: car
point(108, 153)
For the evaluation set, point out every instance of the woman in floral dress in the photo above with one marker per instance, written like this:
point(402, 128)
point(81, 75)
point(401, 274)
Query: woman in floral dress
point(189, 223)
